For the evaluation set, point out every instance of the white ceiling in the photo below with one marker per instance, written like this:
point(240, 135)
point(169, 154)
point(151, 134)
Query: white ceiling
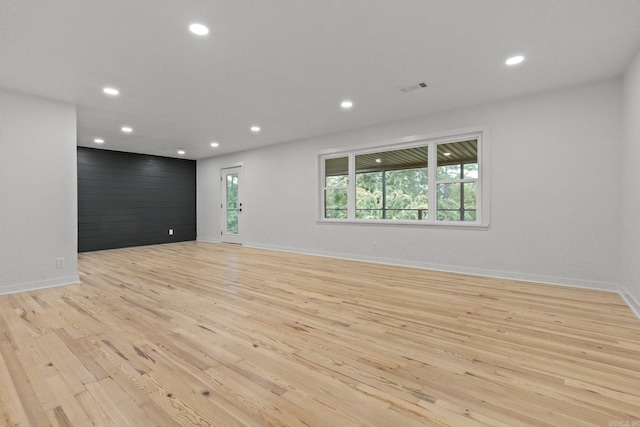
point(286, 65)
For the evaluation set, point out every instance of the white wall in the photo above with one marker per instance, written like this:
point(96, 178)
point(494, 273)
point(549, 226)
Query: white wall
point(630, 247)
point(38, 201)
point(555, 162)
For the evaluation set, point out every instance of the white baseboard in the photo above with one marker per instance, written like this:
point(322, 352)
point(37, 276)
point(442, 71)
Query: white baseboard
point(208, 240)
point(633, 304)
point(510, 275)
point(41, 284)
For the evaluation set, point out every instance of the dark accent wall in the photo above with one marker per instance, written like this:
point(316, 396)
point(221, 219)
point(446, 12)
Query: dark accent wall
point(127, 199)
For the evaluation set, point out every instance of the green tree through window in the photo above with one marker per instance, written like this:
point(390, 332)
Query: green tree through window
point(457, 175)
point(232, 204)
point(392, 185)
point(335, 187)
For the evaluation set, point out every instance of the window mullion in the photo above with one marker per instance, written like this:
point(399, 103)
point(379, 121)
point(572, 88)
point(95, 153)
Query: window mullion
point(351, 192)
point(431, 173)
point(461, 192)
point(479, 181)
point(455, 181)
point(384, 194)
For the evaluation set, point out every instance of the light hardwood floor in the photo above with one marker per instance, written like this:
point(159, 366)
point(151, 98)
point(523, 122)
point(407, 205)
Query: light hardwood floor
point(220, 335)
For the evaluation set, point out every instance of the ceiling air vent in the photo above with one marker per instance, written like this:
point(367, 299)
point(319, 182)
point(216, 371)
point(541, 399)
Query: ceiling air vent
point(411, 88)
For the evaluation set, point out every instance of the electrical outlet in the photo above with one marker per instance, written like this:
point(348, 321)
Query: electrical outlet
point(59, 263)
point(171, 232)
point(375, 246)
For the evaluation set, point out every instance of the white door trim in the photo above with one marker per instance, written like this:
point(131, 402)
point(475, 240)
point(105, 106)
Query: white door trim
point(226, 236)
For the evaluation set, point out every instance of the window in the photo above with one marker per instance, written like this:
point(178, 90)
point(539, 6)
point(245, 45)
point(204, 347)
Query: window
point(336, 184)
point(456, 181)
point(424, 182)
point(392, 184)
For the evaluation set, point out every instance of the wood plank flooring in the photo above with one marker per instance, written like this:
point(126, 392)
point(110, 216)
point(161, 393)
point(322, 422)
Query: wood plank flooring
point(198, 334)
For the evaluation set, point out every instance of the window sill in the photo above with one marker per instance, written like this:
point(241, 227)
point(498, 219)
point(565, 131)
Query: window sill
point(392, 223)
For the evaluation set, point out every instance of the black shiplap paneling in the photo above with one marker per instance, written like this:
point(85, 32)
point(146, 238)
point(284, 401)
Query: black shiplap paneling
point(127, 199)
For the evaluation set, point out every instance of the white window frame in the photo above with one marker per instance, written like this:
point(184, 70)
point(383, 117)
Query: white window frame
point(324, 187)
point(431, 141)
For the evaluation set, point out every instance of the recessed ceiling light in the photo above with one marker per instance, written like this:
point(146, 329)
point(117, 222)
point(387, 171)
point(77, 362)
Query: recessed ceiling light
point(514, 60)
point(181, 152)
point(255, 128)
point(99, 141)
point(199, 29)
point(378, 160)
point(111, 91)
point(447, 154)
point(127, 129)
point(346, 104)
point(215, 144)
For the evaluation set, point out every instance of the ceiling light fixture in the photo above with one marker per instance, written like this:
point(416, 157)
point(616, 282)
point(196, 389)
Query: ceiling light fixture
point(99, 141)
point(447, 154)
point(199, 29)
point(127, 129)
point(181, 152)
point(215, 144)
point(378, 160)
point(255, 128)
point(514, 60)
point(111, 91)
point(346, 104)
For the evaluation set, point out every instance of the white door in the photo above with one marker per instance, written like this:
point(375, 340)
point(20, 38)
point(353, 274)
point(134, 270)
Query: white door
point(231, 205)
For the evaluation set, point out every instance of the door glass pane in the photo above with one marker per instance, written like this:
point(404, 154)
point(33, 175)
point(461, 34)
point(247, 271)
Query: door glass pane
point(232, 204)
